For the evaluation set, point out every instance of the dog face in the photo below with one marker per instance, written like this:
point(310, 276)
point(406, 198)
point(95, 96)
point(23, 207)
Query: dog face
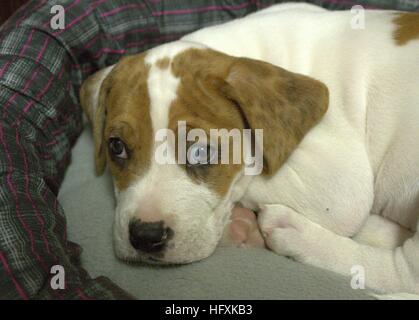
point(175, 212)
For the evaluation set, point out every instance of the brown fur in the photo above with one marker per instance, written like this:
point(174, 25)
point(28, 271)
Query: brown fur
point(216, 91)
point(407, 27)
point(163, 63)
point(200, 103)
point(95, 114)
point(220, 91)
point(123, 112)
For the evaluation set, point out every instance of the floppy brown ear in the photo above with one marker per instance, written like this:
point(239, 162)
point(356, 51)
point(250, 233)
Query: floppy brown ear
point(285, 105)
point(92, 96)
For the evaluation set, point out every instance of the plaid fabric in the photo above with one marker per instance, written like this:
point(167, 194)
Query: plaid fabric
point(41, 71)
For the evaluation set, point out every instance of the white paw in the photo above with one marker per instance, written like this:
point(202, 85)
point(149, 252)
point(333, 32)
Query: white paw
point(290, 234)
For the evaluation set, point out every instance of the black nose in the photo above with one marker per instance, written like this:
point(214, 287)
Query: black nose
point(149, 237)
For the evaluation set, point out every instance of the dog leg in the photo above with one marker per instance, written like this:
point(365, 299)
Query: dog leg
point(381, 232)
point(291, 234)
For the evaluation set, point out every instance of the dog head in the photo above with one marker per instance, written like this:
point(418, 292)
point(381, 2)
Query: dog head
point(175, 211)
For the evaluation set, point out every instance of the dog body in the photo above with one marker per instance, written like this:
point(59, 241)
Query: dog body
point(339, 189)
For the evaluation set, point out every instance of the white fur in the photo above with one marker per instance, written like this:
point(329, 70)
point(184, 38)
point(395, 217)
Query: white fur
point(195, 213)
point(361, 160)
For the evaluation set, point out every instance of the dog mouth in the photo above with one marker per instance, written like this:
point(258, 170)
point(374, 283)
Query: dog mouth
point(164, 258)
point(154, 261)
point(144, 260)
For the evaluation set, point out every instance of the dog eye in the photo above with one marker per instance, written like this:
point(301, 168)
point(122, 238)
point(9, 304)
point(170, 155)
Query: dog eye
point(199, 154)
point(117, 148)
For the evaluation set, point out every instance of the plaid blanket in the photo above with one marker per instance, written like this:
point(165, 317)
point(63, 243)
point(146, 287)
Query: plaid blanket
point(41, 70)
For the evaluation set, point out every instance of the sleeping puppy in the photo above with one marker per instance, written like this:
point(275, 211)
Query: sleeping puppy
point(338, 185)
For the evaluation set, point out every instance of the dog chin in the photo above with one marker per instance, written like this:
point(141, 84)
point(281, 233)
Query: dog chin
point(168, 258)
point(153, 260)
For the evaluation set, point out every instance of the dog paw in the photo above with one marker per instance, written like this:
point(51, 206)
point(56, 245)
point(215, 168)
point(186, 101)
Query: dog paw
point(243, 230)
point(288, 233)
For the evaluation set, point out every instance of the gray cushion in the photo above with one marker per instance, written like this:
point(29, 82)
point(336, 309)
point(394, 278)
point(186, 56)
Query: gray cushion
point(230, 273)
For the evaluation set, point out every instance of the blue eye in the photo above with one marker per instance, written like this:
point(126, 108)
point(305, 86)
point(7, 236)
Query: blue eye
point(199, 154)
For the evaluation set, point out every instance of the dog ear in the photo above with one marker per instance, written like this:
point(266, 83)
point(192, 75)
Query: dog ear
point(285, 105)
point(92, 98)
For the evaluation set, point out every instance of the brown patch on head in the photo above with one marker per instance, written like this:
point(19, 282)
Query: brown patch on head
point(163, 64)
point(219, 91)
point(407, 27)
point(201, 105)
point(216, 91)
point(123, 112)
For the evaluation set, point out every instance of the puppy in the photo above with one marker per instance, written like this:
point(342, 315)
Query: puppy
point(337, 104)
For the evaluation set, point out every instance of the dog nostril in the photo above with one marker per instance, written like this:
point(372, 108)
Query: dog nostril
point(149, 237)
